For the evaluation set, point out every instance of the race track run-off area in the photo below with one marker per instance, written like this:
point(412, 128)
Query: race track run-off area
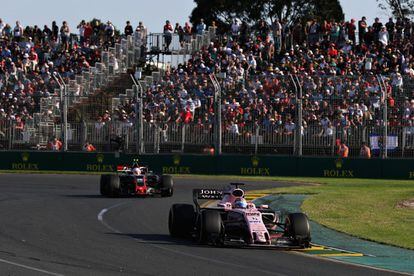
point(60, 225)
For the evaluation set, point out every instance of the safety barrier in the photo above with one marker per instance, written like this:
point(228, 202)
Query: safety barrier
point(255, 165)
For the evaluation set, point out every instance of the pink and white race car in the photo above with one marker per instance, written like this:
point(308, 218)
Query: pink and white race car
point(234, 221)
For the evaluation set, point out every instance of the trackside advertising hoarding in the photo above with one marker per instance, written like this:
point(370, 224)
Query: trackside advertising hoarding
point(243, 165)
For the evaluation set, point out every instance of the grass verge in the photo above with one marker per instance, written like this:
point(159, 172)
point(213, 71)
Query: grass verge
point(364, 208)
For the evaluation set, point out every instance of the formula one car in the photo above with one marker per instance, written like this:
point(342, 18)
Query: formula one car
point(234, 221)
point(136, 181)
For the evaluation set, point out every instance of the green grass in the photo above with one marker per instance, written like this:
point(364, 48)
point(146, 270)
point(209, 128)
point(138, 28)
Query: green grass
point(361, 207)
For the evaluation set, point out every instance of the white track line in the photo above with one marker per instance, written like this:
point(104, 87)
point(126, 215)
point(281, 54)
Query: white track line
point(101, 219)
point(30, 268)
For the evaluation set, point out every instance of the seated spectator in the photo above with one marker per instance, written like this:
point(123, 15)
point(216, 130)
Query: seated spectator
point(88, 147)
point(54, 144)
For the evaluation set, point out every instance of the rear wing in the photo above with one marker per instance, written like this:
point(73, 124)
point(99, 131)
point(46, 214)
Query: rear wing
point(206, 194)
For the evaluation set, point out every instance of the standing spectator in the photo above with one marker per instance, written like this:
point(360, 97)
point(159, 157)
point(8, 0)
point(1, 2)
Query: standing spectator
point(201, 27)
point(81, 28)
point(362, 29)
point(390, 25)
point(187, 32)
point(2, 25)
point(168, 32)
point(65, 35)
point(277, 35)
point(365, 151)
point(46, 34)
point(313, 32)
point(383, 36)
point(377, 26)
point(343, 150)
point(110, 33)
point(142, 33)
point(399, 27)
point(335, 31)
point(180, 32)
point(263, 30)
point(17, 32)
point(235, 29)
point(55, 31)
point(88, 32)
point(128, 30)
point(350, 27)
point(407, 28)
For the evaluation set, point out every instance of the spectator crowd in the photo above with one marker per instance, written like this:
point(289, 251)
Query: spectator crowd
point(337, 64)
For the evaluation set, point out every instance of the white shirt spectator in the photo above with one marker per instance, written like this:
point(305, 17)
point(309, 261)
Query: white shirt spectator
point(182, 93)
point(235, 28)
point(383, 36)
point(290, 126)
point(234, 128)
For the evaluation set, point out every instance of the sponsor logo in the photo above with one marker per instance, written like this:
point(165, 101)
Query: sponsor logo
point(100, 158)
point(25, 164)
point(176, 168)
point(255, 169)
point(338, 171)
point(176, 160)
point(209, 194)
point(99, 166)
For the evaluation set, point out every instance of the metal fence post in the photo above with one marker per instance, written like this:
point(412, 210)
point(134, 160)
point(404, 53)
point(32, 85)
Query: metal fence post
point(403, 141)
point(139, 123)
point(256, 144)
point(298, 146)
point(384, 117)
point(84, 131)
point(10, 144)
point(218, 128)
point(182, 137)
point(63, 89)
point(300, 118)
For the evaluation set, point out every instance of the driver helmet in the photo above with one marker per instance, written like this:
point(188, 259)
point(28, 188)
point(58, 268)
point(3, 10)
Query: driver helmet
point(240, 203)
point(136, 171)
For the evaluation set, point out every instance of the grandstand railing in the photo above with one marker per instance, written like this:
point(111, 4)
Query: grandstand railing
point(199, 138)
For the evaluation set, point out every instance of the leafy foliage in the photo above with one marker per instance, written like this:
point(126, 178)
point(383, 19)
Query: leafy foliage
point(399, 8)
point(250, 11)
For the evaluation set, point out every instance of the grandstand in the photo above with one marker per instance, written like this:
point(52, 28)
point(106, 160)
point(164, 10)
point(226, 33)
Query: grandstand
point(347, 87)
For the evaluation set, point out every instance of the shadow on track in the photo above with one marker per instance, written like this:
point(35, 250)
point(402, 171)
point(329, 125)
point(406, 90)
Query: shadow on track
point(84, 196)
point(163, 239)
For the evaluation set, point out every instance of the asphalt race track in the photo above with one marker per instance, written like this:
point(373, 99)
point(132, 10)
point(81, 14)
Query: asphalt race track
point(60, 225)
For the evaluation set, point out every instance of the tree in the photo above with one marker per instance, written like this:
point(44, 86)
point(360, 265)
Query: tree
point(399, 8)
point(225, 11)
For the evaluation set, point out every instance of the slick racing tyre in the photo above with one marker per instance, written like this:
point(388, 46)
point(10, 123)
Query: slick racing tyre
point(110, 185)
point(181, 220)
point(297, 227)
point(210, 227)
point(167, 186)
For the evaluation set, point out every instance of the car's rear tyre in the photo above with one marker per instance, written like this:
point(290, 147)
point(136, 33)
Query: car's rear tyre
point(167, 186)
point(110, 185)
point(297, 227)
point(181, 220)
point(210, 227)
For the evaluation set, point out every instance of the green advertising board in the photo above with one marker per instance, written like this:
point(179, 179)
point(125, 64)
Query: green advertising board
point(243, 165)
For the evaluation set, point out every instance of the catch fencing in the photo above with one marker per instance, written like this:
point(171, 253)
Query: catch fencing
point(200, 138)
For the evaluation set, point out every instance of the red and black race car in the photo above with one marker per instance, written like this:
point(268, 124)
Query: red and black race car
point(136, 181)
